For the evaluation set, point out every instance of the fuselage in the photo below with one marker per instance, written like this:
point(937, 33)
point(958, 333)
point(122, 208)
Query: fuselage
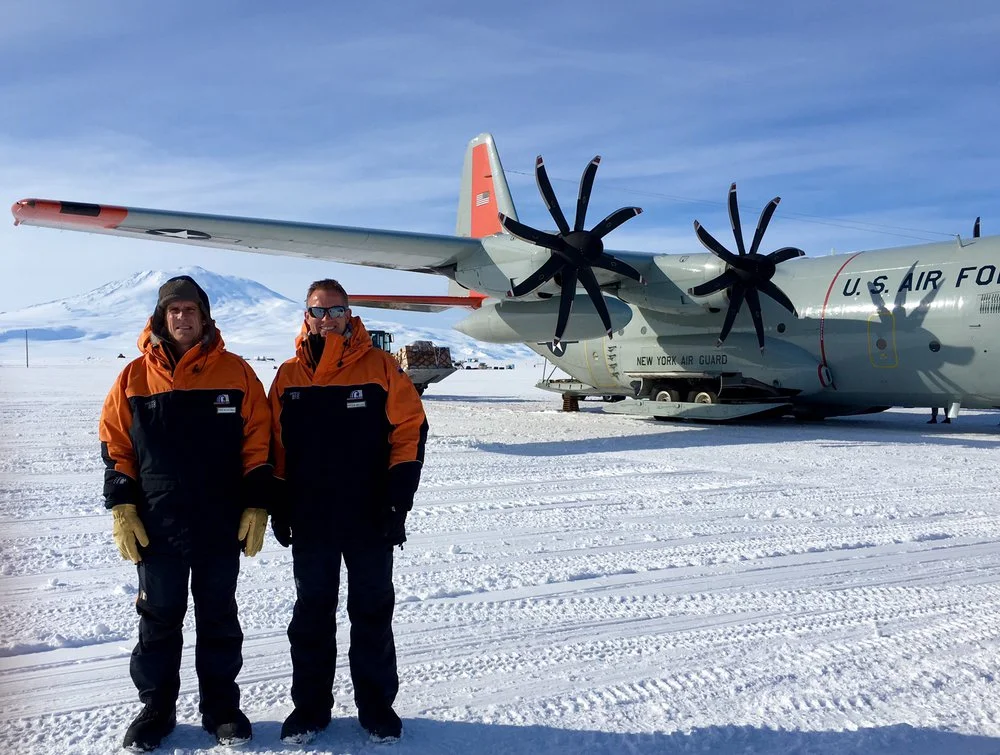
point(914, 326)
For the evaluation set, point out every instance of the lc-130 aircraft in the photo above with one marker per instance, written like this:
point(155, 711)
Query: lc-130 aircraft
point(845, 334)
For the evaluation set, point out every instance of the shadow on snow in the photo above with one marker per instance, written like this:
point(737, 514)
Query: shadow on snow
point(423, 736)
point(874, 430)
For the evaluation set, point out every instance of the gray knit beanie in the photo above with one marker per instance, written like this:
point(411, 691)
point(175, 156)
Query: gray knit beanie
point(183, 288)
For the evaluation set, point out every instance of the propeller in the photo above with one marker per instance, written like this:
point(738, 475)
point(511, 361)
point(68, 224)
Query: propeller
point(574, 253)
point(748, 274)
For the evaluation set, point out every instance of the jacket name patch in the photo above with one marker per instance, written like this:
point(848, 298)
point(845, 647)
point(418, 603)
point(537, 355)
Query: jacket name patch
point(225, 410)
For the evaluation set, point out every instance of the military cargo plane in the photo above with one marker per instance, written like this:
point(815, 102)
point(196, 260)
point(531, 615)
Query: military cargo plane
point(713, 335)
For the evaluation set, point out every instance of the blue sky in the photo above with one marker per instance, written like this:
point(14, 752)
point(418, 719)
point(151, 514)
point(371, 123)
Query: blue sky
point(876, 122)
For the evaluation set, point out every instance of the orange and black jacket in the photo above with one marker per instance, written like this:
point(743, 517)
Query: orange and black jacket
point(186, 440)
point(348, 437)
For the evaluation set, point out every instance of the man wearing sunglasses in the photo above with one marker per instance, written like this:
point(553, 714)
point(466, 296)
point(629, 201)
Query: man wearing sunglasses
point(348, 436)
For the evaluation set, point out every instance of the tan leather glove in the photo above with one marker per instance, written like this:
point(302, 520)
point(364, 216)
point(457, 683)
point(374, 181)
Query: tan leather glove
point(127, 530)
point(253, 524)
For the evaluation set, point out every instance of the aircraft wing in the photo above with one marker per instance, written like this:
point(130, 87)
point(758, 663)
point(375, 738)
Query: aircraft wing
point(399, 250)
point(416, 303)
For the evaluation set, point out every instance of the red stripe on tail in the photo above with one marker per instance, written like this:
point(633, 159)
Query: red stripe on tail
point(485, 221)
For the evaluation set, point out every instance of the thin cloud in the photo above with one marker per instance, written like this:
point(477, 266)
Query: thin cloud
point(359, 115)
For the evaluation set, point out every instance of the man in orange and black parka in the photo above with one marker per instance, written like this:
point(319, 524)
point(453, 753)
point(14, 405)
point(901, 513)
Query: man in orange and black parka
point(184, 435)
point(348, 445)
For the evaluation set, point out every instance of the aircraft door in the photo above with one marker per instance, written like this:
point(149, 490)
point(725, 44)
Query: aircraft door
point(588, 361)
point(602, 361)
point(882, 351)
point(984, 344)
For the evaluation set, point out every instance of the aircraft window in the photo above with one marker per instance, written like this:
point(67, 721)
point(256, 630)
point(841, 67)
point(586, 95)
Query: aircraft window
point(935, 346)
point(781, 327)
point(880, 344)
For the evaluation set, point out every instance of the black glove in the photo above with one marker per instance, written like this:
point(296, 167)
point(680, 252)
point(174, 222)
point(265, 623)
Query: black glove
point(282, 529)
point(280, 510)
point(394, 525)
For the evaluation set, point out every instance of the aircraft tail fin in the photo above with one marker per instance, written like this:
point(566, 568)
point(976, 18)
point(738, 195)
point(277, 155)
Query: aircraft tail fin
point(484, 191)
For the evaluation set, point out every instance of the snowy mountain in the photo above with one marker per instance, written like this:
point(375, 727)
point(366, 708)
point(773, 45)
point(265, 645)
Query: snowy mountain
point(254, 320)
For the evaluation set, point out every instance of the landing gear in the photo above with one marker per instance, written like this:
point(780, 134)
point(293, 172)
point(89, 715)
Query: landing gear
point(683, 390)
point(667, 394)
point(703, 397)
point(677, 390)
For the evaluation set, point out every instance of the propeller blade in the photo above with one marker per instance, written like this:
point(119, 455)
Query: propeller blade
point(719, 282)
point(735, 302)
point(565, 301)
point(614, 220)
point(583, 197)
point(734, 220)
point(590, 283)
point(765, 218)
point(785, 253)
point(537, 278)
point(975, 229)
point(753, 302)
point(549, 196)
point(768, 287)
point(529, 234)
point(709, 242)
point(615, 265)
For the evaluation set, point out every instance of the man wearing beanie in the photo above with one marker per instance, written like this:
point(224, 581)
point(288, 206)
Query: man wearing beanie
point(184, 434)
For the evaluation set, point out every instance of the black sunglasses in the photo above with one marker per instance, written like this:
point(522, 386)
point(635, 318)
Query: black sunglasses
point(334, 312)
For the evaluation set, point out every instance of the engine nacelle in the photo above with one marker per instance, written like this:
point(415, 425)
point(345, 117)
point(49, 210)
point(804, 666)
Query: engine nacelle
point(668, 281)
point(513, 321)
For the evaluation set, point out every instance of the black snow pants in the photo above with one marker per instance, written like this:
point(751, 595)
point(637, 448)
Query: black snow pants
point(162, 603)
point(312, 632)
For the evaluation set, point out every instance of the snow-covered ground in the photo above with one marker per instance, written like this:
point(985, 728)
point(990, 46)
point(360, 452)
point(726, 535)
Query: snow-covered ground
point(573, 583)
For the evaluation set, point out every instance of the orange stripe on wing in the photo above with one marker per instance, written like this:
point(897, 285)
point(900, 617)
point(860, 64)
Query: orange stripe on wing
point(484, 202)
point(68, 214)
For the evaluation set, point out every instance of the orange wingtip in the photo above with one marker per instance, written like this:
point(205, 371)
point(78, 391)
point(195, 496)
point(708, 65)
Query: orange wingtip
point(54, 212)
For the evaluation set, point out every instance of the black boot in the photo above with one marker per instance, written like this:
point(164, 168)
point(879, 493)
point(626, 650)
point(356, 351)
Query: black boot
point(302, 726)
point(382, 724)
point(232, 728)
point(149, 728)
